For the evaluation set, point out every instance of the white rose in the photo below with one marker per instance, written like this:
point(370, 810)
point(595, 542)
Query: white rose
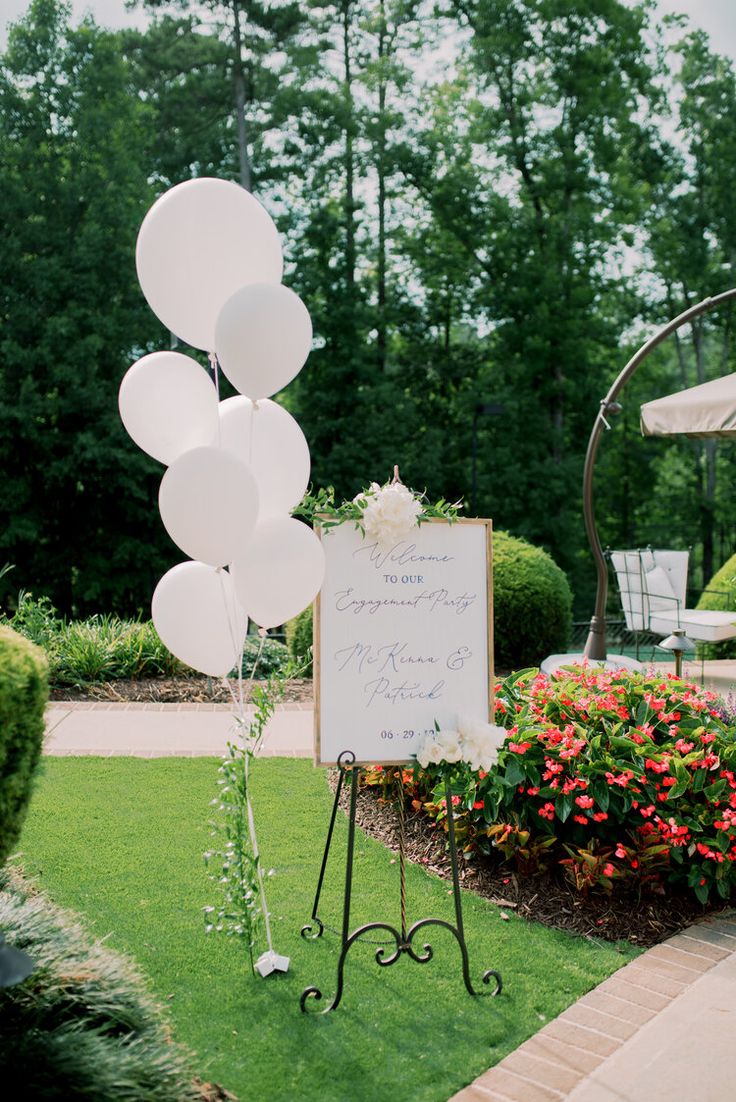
point(430, 752)
point(390, 514)
point(451, 746)
point(480, 742)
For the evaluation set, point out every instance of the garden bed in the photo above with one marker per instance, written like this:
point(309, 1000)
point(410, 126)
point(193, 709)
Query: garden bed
point(544, 897)
point(175, 690)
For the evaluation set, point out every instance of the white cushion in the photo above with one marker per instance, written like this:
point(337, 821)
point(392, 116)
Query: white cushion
point(660, 591)
point(703, 625)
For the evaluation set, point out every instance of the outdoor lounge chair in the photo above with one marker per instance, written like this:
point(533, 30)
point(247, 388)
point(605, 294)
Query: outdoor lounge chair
point(653, 587)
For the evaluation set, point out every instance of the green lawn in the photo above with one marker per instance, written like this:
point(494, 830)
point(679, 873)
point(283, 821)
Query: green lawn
point(121, 841)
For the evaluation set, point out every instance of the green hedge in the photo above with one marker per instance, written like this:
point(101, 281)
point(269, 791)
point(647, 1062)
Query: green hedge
point(532, 603)
point(82, 1026)
point(532, 607)
point(23, 695)
point(720, 594)
point(299, 640)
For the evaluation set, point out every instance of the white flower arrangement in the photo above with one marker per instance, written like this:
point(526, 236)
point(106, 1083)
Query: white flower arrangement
point(473, 742)
point(390, 513)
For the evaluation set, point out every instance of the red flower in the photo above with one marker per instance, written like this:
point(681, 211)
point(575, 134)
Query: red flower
point(584, 801)
point(477, 805)
point(580, 819)
point(600, 816)
point(519, 747)
point(547, 811)
point(620, 851)
point(608, 869)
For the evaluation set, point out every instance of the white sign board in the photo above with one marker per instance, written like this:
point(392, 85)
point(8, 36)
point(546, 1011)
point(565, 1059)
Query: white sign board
point(403, 639)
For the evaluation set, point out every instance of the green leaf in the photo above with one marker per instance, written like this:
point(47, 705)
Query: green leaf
point(563, 807)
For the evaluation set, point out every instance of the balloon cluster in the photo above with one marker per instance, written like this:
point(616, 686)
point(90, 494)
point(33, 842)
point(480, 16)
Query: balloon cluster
point(209, 263)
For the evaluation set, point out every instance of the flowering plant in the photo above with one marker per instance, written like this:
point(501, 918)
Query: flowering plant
point(613, 777)
point(633, 776)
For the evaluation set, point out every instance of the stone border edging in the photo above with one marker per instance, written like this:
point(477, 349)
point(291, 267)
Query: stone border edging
point(548, 1066)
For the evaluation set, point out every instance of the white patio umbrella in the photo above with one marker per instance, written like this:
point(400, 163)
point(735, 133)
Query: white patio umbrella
point(705, 410)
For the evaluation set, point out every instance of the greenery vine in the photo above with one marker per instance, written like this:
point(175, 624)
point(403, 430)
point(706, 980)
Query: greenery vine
point(322, 510)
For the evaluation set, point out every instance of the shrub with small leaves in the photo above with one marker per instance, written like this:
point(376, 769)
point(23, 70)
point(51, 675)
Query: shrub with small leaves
point(82, 1026)
point(23, 694)
point(299, 633)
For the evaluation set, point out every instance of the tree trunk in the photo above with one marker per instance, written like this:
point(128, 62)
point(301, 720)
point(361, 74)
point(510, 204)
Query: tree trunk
point(381, 168)
point(349, 153)
point(246, 177)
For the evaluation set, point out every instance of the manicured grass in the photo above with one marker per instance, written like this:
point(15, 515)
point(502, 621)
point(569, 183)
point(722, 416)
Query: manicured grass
point(121, 841)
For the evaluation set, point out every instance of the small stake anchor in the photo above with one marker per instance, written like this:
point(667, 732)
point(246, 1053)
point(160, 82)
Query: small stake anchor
point(269, 962)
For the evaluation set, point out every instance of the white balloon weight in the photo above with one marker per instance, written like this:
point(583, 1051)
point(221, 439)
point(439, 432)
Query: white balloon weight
point(196, 613)
point(199, 243)
point(209, 505)
point(270, 441)
point(281, 571)
point(168, 405)
point(262, 338)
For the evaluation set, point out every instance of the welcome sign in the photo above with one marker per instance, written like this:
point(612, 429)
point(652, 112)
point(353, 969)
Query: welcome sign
point(403, 639)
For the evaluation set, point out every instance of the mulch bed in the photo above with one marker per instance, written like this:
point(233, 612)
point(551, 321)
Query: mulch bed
point(543, 898)
point(180, 690)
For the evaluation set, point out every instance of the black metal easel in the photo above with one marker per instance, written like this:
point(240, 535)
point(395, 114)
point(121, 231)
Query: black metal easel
point(403, 937)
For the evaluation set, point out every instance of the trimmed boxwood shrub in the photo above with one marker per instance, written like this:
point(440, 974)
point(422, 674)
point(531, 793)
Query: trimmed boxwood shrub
point(532, 603)
point(274, 657)
point(299, 640)
point(532, 607)
point(720, 594)
point(82, 1026)
point(23, 695)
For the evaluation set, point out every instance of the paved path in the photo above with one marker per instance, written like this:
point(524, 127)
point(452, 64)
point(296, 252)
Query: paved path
point(661, 1029)
point(168, 730)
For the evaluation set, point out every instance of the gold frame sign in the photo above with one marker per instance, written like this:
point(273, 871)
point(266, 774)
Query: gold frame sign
point(403, 639)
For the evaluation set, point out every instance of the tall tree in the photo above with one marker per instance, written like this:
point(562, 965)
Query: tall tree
point(541, 174)
point(77, 511)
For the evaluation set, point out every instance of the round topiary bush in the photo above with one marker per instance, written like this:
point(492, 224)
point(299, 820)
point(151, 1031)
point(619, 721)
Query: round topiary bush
point(299, 640)
point(23, 694)
point(720, 594)
point(532, 603)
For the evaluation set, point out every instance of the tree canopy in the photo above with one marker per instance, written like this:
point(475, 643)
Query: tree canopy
point(484, 203)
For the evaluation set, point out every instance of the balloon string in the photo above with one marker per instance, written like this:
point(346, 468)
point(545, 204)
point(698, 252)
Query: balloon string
point(253, 408)
point(212, 356)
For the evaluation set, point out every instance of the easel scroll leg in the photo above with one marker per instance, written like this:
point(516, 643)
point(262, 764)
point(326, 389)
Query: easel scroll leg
point(459, 906)
point(308, 931)
point(347, 941)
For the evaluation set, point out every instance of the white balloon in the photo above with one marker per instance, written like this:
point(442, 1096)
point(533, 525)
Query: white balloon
point(281, 571)
point(196, 613)
point(262, 338)
point(209, 505)
point(199, 243)
point(168, 404)
point(270, 441)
